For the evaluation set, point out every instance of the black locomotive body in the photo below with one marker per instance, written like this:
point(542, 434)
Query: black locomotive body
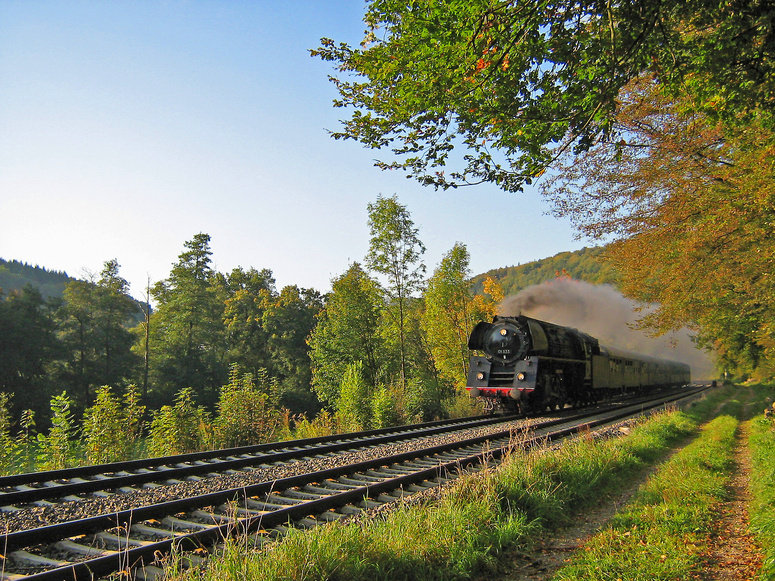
point(530, 365)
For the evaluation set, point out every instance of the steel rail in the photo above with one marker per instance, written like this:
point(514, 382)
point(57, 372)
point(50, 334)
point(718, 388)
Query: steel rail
point(70, 481)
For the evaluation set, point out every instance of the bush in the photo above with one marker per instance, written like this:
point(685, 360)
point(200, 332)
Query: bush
point(58, 449)
point(26, 442)
point(384, 412)
point(184, 427)
point(112, 427)
point(425, 400)
point(8, 448)
point(354, 406)
point(462, 405)
point(324, 424)
point(245, 414)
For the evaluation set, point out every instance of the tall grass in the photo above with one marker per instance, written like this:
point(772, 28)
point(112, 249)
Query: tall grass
point(761, 441)
point(550, 487)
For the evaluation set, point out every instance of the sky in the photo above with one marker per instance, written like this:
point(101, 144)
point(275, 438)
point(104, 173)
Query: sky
point(129, 126)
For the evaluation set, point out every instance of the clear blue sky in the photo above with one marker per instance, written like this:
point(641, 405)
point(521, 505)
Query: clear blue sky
point(128, 126)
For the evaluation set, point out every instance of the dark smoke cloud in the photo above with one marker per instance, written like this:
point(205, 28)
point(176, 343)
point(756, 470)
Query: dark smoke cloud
point(601, 311)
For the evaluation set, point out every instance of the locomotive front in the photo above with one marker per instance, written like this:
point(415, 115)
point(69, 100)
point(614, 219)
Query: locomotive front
point(529, 365)
point(505, 372)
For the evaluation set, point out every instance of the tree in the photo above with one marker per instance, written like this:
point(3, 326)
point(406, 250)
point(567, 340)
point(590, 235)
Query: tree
point(348, 331)
point(450, 314)
point(288, 322)
point(688, 201)
point(395, 251)
point(94, 328)
point(517, 83)
point(81, 343)
point(249, 295)
point(187, 344)
point(28, 348)
point(116, 310)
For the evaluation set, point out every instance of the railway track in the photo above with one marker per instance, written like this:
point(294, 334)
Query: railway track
point(134, 539)
point(74, 484)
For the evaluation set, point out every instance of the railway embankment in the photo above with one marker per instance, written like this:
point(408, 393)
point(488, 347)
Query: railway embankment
point(642, 505)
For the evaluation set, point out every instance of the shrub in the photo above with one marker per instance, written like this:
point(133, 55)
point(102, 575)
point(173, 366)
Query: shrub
point(8, 447)
point(111, 427)
point(26, 442)
point(384, 412)
point(425, 400)
point(353, 406)
point(178, 429)
point(245, 414)
point(324, 424)
point(58, 448)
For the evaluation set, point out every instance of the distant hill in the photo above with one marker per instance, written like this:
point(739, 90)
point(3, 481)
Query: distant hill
point(584, 264)
point(15, 275)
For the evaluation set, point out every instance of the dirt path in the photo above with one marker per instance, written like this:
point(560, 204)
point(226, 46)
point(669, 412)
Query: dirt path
point(733, 554)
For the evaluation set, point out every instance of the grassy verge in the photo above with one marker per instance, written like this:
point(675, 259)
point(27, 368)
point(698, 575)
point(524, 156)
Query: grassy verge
point(463, 533)
point(662, 534)
point(761, 441)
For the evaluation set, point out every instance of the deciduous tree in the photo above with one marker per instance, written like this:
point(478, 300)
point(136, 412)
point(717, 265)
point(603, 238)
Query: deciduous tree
point(690, 204)
point(249, 295)
point(514, 83)
point(395, 251)
point(288, 321)
point(348, 331)
point(450, 314)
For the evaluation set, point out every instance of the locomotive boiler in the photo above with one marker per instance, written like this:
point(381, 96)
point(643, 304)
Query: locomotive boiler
point(531, 365)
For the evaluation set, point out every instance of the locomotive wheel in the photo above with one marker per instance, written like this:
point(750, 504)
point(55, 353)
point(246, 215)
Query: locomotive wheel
point(489, 405)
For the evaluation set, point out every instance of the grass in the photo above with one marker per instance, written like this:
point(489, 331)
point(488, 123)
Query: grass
point(761, 441)
point(665, 532)
point(465, 531)
point(662, 534)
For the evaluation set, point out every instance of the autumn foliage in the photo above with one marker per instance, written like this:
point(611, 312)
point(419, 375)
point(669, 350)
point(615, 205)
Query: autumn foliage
point(689, 203)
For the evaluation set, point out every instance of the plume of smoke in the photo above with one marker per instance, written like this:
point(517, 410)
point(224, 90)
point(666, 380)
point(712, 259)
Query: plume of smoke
point(601, 311)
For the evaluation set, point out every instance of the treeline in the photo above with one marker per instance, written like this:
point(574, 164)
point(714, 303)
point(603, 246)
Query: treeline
point(15, 275)
point(587, 264)
point(386, 345)
point(203, 322)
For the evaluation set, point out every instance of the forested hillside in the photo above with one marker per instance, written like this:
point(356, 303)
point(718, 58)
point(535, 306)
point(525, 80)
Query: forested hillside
point(15, 275)
point(585, 264)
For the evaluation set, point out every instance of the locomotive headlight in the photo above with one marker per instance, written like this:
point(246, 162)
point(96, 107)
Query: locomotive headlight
point(504, 332)
point(521, 376)
point(480, 376)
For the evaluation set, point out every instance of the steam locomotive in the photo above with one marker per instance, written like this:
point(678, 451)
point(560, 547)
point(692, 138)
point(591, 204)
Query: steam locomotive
point(531, 365)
